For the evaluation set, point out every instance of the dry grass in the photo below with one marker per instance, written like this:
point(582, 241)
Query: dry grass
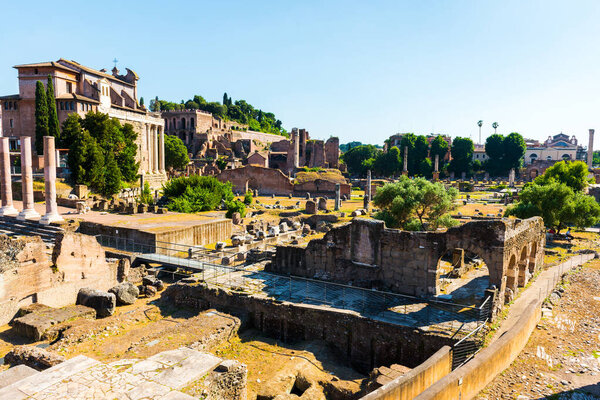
point(332, 175)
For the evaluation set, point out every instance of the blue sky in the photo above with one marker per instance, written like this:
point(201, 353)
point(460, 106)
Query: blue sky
point(360, 70)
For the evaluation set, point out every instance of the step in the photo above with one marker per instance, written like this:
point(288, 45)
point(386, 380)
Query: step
point(16, 374)
point(36, 383)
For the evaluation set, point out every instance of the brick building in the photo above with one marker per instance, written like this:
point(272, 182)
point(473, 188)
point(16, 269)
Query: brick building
point(80, 89)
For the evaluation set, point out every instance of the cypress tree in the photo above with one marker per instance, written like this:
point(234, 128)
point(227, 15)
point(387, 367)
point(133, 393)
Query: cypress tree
point(53, 124)
point(41, 117)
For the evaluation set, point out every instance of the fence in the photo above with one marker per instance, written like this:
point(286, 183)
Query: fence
point(453, 319)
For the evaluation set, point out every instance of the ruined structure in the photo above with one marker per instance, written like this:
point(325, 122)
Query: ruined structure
point(30, 276)
point(80, 89)
point(366, 253)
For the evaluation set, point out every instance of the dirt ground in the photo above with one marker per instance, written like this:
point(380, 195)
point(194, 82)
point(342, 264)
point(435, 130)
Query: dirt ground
point(151, 326)
point(562, 358)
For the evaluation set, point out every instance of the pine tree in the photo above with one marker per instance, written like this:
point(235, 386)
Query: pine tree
point(41, 117)
point(225, 98)
point(112, 176)
point(53, 124)
point(142, 101)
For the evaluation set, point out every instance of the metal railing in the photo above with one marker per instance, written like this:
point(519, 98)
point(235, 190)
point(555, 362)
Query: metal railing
point(454, 319)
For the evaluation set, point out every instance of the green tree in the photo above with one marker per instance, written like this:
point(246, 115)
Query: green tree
point(142, 101)
point(462, 155)
point(176, 154)
point(53, 124)
point(494, 148)
point(387, 163)
point(439, 147)
point(571, 173)
point(514, 150)
point(41, 117)
point(557, 204)
point(355, 157)
point(407, 200)
point(112, 177)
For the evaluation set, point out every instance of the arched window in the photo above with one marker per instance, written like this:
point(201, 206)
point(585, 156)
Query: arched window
point(16, 105)
point(566, 156)
point(71, 106)
point(191, 123)
point(549, 158)
point(62, 105)
point(182, 123)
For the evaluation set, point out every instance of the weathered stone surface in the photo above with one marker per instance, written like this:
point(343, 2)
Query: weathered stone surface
point(15, 374)
point(236, 218)
point(38, 324)
point(150, 291)
point(237, 240)
point(123, 267)
point(103, 302)
point(126, 293)
point(322, 203)
point(228, 381)
point(153, 281)
point(311, 207)
point(16, 251)
point(33, 357)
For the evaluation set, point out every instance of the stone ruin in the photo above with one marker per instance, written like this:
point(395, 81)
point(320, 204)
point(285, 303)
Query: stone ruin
point(365, 253)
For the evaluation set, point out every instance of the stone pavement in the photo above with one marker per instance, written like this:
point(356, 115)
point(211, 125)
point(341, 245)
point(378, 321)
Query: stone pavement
point(157, 377)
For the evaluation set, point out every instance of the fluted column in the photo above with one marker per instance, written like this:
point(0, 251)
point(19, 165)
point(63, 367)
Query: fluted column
point(28, 211)
point(155, 144)
point(161, 150)
point(52, 214)
point(7, 196)
point(149, 149)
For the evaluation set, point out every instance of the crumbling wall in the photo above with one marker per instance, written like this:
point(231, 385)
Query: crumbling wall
point(364, 342)
point(321, 187)
point(365, 253)
point(266, 180)
point(77, 261)
point(332, 152)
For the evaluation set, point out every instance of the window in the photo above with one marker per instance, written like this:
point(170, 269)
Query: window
point(11, 123)
point(69, 87)
point(16, 105)
point(192, 123)
point(35, 71)
point(62, 105)
point(6, 105)
point(71, 106)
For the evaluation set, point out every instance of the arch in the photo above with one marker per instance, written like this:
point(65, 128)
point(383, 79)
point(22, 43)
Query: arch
point(532, 257)
point(549, 158)
point(192, 123)
point(566, 157)
point(511, 279)
point(182, 122)
point(523, 265)
point(463, 275)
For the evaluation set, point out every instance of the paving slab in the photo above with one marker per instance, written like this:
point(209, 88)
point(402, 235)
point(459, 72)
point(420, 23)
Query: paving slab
point(16, 374)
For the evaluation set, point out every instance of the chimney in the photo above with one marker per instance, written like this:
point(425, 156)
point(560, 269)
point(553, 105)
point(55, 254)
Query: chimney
point(590, 152)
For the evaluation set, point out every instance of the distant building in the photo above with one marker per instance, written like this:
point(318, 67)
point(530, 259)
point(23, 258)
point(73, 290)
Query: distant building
point(79, 89)
point(479, 153)
point(555, 148)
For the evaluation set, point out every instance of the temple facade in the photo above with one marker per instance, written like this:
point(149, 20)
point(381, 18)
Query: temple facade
point(80, 89)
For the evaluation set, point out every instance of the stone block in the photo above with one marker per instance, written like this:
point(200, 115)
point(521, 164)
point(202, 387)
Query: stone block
point(33, 357)
point(311, 207)
point(103, 302)
point(37, 324)
point(126, 293)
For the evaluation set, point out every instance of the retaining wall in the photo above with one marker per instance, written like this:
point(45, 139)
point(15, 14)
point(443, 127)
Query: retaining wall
point(364, 342)
point(416, 380)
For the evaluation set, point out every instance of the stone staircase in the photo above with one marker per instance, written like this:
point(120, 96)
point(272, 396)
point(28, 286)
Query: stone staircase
point(158, 377)
point(11, 226)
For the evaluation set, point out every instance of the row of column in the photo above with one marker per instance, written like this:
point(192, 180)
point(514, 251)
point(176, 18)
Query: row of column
point(155, 146)
point(28, 211)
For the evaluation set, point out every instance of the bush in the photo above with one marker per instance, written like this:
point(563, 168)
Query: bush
point(196, 193)
point(235, 206)
point(248, 198)
point(146, 195)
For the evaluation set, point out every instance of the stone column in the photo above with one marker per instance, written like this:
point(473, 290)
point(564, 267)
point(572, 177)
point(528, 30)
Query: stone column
point(368, 188)
point(28, 211)
point(337, 197)
point(161, 150)
point(50, 182)
point(155, 147)
point(511, 177)
point(590, 153)
point(7, 198)
point(436, 172)
point(148, 167)
point(405, 170)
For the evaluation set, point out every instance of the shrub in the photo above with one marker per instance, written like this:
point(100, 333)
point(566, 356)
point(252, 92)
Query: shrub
point(235, 206)
point(248, 198)
point(196, 193)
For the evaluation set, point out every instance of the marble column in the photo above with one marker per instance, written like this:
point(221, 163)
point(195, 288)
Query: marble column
point(405, 169)
point(149, 148)
point(161, 150)
point(368, 188)
point(337, 197)
point(590, 152)
point(7, 197)
point(52, 214)
point(28, 211)
point(155, 144)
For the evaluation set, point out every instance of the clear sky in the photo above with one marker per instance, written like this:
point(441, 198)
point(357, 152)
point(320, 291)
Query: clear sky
point(360, 70)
